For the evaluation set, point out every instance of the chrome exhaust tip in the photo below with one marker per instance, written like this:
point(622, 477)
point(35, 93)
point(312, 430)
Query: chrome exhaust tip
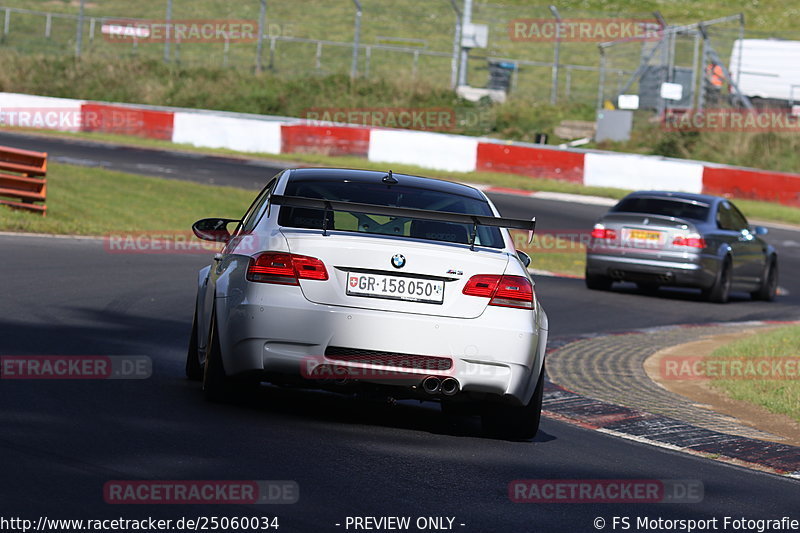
point(431, 384)
point(450, 386)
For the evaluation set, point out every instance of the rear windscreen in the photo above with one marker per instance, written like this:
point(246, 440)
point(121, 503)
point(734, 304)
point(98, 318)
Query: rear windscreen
point(394, 196)
point(662, 206)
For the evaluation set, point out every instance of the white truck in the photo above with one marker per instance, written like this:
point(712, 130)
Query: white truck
point(767, 69)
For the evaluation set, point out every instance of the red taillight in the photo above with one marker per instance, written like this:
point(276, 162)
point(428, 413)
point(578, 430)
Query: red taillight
point(693, 241)
point(481, 285)
point(504, 291)
point(285, 269)
point(309, 268)
point(600, 232)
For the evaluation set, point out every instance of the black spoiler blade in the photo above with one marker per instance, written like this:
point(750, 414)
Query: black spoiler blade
point(424, 214)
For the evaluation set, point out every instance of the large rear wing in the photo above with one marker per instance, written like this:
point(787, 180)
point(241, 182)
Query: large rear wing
point(407, 212)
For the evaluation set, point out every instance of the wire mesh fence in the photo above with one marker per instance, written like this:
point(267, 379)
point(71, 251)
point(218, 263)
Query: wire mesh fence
point(406, 40)
point(385, 39)
point(693, 60)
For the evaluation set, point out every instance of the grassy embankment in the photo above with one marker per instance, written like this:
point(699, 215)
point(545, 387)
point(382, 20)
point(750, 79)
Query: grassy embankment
point(776, 395)
point(40, 67)
point(91, 201)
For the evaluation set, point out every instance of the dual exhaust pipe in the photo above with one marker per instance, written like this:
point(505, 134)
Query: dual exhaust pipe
point(435, 385)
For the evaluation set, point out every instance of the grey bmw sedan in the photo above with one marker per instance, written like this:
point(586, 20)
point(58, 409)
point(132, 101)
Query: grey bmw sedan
point(658, 238)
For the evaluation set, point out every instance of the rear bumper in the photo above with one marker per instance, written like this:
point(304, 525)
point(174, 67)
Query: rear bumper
point(695, 270)
point(499, 353)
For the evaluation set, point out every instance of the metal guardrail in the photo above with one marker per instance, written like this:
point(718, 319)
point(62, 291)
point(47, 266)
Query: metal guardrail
point(22, 177)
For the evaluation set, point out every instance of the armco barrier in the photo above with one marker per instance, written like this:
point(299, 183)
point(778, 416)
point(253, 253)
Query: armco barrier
point(630, 171)
point(126, 120)
point(530, 161)
point(46, 112)
point(212, 130)
point(454, 153)
point(752, 183)
point(22, 176)
point(327, 140)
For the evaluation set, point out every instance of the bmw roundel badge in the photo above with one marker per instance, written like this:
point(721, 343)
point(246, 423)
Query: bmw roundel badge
point(398, 261)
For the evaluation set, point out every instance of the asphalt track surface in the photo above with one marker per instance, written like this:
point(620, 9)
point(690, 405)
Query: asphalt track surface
point(60, 441)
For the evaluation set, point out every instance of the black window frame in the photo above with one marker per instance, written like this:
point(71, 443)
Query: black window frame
point(256, 210)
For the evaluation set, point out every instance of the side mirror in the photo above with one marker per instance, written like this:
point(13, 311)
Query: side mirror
point(213, 229)
point(525, 258)
point(760, 230)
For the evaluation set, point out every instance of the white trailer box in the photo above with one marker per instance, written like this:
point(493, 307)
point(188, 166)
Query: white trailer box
point(767, 68)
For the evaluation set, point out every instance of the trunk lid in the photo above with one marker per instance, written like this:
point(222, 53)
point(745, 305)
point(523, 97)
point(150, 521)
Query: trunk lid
point(435, 271)
point(643, 235)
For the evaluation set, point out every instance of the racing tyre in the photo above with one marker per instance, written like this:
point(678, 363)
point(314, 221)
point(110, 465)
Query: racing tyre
point(194, 368)
point(720, 291)
point(769, 284)
point(598, 283)
point(515, 423)
point(217, 386)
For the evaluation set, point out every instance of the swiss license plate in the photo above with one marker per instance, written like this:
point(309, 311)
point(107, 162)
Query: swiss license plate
point(395, 287)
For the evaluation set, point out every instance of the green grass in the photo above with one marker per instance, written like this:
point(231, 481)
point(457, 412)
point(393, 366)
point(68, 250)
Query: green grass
point(498, 179)
point(753, 209)
point(150, 81)
point(114, 72)
point(559, 253)
point(777, 396)
point(757, 210)
point(91, 201)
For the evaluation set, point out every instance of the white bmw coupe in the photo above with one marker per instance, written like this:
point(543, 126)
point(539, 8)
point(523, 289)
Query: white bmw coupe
point(364, 281)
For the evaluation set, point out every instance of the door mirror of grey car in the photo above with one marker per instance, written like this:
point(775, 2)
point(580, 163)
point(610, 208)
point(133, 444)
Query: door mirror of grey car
point(525, 258)
point(213, 229)
point(760, 230)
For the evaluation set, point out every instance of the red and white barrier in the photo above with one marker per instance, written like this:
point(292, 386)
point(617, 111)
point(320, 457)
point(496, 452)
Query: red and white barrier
point(453, 153)
point(328, 140)
point(534, 161)
point(126, 120)
point(211, 130)
point(628, 171)
point(45, 112)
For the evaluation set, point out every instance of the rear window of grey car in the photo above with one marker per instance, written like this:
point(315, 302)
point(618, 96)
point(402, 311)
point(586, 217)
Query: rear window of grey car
point(662, 206)
point(394, 196)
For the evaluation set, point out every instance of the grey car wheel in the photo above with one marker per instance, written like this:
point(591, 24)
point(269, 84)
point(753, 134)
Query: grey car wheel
point(720, 291)
point(769, 284)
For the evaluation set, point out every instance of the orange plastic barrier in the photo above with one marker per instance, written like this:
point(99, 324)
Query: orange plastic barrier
point(22, 177)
